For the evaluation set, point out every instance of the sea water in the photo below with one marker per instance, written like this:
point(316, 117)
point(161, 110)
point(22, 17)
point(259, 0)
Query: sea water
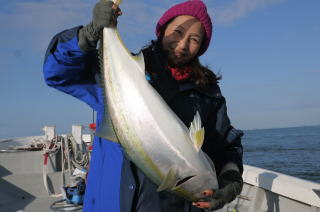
point(293, 151)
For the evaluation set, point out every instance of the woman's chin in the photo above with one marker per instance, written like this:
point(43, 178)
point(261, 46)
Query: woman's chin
point(176, 61)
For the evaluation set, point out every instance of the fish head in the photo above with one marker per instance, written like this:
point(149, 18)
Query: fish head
point(192, 186)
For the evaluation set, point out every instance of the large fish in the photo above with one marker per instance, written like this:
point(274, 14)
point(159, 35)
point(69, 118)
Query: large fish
point(151, 134)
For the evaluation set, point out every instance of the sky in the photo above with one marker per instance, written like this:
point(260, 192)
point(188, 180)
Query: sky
point(267, 51)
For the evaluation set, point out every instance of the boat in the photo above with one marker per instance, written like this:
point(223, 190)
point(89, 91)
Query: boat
point(36, 176)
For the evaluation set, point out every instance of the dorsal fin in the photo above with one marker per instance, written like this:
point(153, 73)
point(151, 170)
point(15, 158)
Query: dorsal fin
point(196, 132)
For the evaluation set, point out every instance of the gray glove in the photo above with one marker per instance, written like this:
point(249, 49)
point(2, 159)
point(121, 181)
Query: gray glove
point(230, 186)
point(103, 16)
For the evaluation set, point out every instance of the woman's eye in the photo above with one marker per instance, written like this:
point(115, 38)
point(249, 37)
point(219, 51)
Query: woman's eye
point(178, 31)
point(195, 40)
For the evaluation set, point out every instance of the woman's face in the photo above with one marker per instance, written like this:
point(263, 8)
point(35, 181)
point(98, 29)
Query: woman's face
point(182, 39)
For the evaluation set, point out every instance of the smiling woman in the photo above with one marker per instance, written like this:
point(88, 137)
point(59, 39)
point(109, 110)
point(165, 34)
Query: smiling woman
point(182, 39)
point(173, 70)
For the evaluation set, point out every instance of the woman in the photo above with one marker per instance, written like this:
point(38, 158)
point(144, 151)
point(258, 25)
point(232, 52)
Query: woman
point(173, 69)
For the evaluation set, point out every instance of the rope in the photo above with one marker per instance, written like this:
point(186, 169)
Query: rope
point(73, 156)
point(51, 147)
point(80, 159)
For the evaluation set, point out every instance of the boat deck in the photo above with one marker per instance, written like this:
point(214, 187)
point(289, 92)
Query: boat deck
point(22, 186)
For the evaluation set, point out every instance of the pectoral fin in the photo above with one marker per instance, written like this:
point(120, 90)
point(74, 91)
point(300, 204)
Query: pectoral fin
point(169, 181)
point(196, 132)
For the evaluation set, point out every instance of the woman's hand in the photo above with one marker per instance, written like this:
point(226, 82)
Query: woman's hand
point(105, 14)
point(231, 186)
point(215, 200)
point(205, 204)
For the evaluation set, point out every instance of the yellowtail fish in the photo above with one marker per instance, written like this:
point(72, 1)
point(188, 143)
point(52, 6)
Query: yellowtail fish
point(151, 134)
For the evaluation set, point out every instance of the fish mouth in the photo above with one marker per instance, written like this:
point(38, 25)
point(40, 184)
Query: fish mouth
point(180, 182)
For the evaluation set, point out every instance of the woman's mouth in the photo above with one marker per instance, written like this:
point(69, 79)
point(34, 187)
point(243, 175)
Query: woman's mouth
point(177, 55)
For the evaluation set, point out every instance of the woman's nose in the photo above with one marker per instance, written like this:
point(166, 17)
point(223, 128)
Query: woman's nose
point(183, 44)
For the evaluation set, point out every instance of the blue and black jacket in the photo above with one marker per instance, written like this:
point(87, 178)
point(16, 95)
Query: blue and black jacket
point(114, 183)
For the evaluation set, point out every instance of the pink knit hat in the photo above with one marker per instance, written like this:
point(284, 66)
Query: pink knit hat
point(195, 8)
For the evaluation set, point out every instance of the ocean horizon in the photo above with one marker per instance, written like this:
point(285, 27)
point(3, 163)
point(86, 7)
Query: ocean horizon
point(292, 151)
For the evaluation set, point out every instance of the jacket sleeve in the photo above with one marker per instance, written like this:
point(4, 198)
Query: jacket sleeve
point(70, 70)
point(223, 141)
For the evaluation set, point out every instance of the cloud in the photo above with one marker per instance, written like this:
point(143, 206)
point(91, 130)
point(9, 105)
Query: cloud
point(37, 21)
point(138, 22)
point(34, 22)
point(229, 13)
point(31, 24)
point(138, 17)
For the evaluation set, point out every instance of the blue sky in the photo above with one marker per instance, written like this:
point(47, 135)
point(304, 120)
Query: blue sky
point(268, 52)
